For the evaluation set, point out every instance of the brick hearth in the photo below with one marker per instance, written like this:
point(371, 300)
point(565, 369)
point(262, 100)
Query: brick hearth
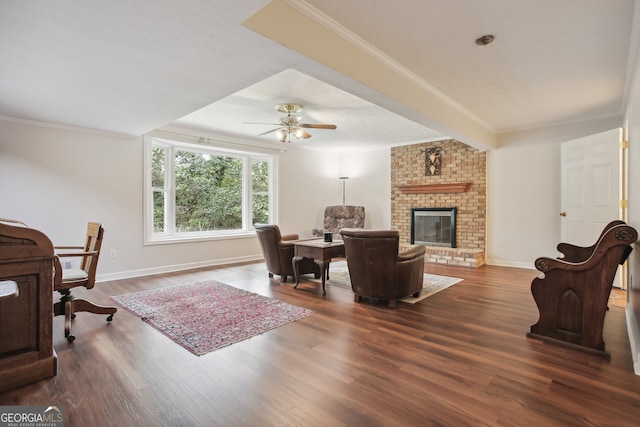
point(455, 256)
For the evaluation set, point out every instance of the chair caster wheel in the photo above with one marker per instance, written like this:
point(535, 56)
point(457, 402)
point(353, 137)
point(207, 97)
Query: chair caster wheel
point(70, 338)
point(73, 315)
point(110, 318)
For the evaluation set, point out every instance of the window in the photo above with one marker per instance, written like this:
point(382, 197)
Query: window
point(195, 191)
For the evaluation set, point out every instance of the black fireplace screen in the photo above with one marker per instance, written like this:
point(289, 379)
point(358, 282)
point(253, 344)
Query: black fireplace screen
point(433, 227)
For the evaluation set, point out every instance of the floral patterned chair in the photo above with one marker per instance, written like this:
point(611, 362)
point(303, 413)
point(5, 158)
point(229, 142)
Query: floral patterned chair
point(338, 217)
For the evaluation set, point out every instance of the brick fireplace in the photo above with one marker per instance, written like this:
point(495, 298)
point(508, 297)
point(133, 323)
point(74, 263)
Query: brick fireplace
point(461, 184)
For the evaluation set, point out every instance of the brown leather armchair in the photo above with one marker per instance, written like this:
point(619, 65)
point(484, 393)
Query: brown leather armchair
point(278, 251)
point(378, 269)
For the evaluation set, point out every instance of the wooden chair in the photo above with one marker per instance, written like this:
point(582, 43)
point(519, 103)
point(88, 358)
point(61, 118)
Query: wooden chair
point(572, 296)
point(67, 279)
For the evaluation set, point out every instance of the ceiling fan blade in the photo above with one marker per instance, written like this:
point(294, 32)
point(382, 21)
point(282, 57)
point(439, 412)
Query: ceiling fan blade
point(316, 126)
point(269, 131)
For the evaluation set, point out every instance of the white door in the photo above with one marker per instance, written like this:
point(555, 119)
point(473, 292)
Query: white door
point(590, 186)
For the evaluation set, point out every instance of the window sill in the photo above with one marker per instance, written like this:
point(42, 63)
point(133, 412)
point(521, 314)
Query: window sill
point(170, 240)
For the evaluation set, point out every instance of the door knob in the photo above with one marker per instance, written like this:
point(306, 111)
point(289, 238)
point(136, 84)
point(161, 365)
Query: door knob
point(563, 214)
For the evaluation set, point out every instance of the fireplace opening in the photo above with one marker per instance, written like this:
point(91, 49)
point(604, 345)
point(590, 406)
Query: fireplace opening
point(433, 227)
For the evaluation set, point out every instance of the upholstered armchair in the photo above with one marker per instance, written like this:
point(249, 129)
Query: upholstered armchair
point(338, 217)
point(377, 268)
point(278, 251)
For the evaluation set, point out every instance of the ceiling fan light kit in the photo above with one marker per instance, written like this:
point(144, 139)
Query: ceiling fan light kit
point(291, 125)
point(289, 108)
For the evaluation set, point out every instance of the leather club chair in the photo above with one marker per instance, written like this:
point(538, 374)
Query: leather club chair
point(278, 251)
point(377, 268)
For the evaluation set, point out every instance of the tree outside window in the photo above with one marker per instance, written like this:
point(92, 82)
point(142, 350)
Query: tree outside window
point(197, 191)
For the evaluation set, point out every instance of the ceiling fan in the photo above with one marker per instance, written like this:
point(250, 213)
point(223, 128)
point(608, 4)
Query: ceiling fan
point(290, 124)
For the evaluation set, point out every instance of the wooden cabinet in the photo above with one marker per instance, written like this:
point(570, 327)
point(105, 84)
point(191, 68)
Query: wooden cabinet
point(26, 320)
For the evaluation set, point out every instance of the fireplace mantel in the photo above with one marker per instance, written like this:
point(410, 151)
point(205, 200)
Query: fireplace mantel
point(434, 188)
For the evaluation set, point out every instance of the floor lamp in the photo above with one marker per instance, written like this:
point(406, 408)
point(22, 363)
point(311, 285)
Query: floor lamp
point(344, 181)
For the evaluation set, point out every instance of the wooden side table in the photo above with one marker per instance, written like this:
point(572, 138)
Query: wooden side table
point(321, 252)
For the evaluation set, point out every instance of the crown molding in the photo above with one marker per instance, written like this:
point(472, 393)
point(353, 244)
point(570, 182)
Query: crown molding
point(342, 32)
point(67, 127)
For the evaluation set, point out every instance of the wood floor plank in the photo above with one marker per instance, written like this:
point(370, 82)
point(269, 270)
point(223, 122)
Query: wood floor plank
point(458, 358)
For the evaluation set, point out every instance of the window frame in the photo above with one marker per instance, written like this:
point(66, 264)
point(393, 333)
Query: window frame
point(217, 148)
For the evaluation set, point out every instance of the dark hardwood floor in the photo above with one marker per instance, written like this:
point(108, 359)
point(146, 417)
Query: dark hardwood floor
point(458, 358)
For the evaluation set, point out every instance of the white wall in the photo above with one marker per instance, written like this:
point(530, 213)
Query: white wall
point(56, 179)
point(523, 203)
point(369, 185)
point(633, 218)
point(523, 190)
point(309, 182)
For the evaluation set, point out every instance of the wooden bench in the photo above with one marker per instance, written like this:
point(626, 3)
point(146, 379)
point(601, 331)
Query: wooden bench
point(573, 292)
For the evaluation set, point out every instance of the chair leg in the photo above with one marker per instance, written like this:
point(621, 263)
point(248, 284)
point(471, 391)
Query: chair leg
point(84, 305)
point(68, 306)
point(357, 298)
point(65, 307)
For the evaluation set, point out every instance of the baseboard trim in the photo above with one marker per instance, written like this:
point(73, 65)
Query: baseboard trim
point(175, 267)
point(503, 263)
point(634, 334)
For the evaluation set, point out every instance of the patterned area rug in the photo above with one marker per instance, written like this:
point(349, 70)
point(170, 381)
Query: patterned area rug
point(433, 283)
point(206, 316)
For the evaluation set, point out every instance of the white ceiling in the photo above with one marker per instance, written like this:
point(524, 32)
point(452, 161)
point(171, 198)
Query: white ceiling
point(360, 124)
point(131, 67)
